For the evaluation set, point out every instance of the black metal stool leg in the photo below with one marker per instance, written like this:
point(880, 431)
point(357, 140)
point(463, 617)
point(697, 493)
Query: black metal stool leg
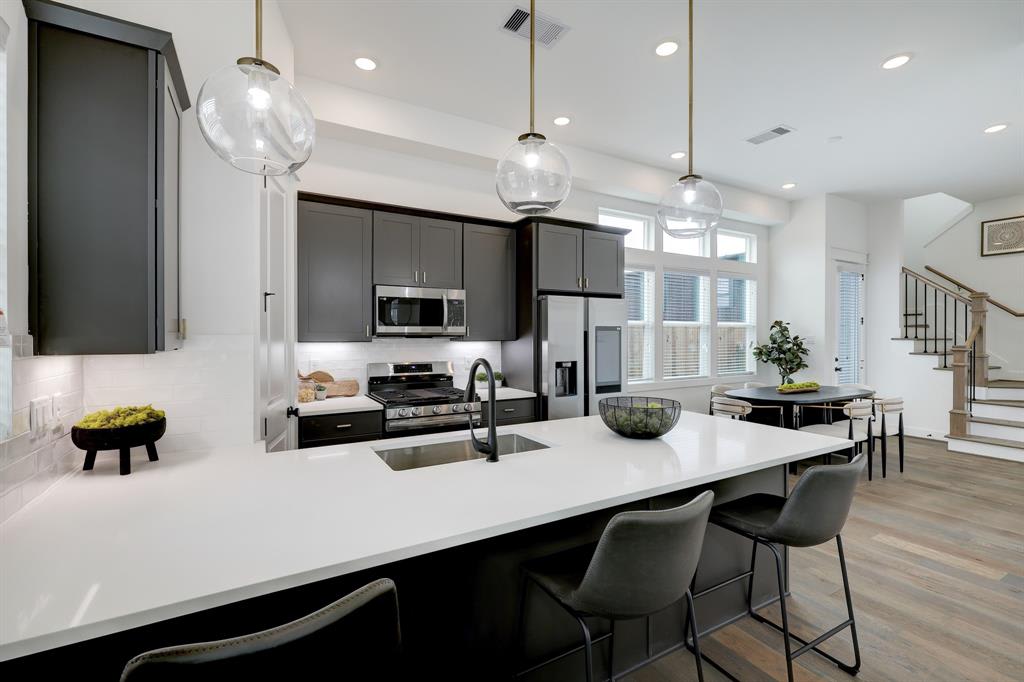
point(901, 442)
point(692, 618)
point(855, 668)
point(611, 651)
point(780, 573)
point(750, 582)
point(587, 648)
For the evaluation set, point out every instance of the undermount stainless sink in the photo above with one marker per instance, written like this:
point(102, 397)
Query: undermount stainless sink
point(432, 454)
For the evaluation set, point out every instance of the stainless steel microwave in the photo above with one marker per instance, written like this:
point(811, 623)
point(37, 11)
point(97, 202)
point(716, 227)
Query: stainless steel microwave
point(420, 311)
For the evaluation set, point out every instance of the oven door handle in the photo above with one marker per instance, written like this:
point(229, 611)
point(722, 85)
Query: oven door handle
point(444, 312)
point(428, 422)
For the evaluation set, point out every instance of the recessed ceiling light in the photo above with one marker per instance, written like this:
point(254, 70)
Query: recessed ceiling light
point(677, 155)
point(996, 128)
point(789, 185)
point(834, 139)
point(366, 64)
point(562, 121)
point(896, 61)
point(667, 48)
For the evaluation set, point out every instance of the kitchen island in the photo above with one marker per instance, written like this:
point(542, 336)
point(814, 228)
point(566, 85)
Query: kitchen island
point(205, 544)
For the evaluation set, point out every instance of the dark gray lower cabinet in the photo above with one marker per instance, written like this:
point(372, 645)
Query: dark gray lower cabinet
point(559, 258)
point(489, 271)
point(335, 429)
point(603, 263)
point(335, 286)
point(518, 411)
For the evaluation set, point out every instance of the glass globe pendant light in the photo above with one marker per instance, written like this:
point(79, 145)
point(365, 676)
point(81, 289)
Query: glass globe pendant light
point(692, 206)
point(253, 118)
point(533, 176)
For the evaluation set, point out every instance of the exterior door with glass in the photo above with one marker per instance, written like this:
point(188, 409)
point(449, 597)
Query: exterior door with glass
point(849, 351)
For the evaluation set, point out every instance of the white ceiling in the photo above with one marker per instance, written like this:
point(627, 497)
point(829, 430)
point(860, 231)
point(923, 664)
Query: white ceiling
point(809, 64)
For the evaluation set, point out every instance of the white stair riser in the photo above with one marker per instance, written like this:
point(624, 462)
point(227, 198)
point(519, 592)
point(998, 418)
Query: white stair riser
point(1015, 433)
point(1004, 393)
point(986, 449)
point(999, 411)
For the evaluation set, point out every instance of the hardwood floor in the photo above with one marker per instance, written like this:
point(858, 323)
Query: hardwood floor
point(936, 562)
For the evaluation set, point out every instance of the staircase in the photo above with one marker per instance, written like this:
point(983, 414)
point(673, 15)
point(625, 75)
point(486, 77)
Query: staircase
point(949, 323)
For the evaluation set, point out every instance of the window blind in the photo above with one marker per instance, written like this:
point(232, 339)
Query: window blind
point(851, 296)
point(737, 325)
point(640, 319)
point(686, 306)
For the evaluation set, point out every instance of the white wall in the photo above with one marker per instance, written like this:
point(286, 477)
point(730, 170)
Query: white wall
point(797, 276)
point(924, 219)
point(928, 393)
point(957, 252)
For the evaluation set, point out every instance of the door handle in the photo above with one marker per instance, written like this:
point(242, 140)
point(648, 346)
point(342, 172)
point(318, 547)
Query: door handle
point(342, 427)
point(579, 282)
point(367, 331)
point(424, 276)
point(586, 282)
point(417, 276)
point(509, 409)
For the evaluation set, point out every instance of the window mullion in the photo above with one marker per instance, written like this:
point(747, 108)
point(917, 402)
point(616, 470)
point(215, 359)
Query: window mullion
point(659, 327)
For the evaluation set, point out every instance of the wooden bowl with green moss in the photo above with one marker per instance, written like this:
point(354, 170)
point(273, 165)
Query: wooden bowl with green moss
point(120, 429)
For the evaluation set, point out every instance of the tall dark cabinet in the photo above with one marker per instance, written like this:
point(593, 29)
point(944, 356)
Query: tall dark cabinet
point(105, 105)
point(335, 286)
point(490, 274)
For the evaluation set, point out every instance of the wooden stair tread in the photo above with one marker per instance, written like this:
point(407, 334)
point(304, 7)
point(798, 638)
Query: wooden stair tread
point(991, 441)
point(930, 352)
point(998, 422)
point(1004, 403)
point(911, 338)
point(950, 369)
point(1005, 383)
point(917, 326)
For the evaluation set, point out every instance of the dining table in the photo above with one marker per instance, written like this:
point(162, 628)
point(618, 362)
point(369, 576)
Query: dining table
point(824, 395)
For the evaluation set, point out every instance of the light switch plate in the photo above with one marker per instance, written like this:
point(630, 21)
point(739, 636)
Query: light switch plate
point(40, 414)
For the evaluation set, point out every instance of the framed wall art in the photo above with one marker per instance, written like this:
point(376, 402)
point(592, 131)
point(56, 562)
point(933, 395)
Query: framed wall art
point(1003, 236)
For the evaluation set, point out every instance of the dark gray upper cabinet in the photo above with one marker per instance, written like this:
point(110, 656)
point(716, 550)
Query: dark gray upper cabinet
point(440, 253)
point(603, 262)
point(559, 258)
point(417, 252)
point(335, 287)
point(490, 277)
point(396, 260)
point(105, 101)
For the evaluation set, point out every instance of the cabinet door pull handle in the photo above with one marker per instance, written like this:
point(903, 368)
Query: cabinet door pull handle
point(509, 409)
point(417, 276)
point(342, 427)
point(367, 331)
point(424, 276)
point(579, 282)
point(586, 282)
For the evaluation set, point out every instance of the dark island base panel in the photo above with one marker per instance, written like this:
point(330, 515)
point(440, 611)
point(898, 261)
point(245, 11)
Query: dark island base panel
point(458, 606)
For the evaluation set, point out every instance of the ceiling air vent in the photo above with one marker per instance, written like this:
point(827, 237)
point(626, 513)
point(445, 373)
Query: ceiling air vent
point(777, 131)
point(548, 30)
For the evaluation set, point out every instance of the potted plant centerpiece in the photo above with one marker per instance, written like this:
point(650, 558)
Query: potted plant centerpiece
point(121, 428)
point(784, 350)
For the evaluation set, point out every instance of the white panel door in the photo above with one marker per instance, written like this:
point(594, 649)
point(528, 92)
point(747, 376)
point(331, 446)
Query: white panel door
point(274, 350)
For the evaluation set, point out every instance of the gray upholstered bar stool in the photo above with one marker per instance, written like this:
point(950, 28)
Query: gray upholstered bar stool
point(814, 513)
point(357, 636)
point(640, 566)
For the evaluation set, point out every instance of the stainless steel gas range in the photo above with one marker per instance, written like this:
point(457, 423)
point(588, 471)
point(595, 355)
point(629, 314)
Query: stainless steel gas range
point(420, 397)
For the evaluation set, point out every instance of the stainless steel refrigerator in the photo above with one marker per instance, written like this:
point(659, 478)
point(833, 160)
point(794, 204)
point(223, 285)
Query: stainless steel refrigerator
point(582, 353)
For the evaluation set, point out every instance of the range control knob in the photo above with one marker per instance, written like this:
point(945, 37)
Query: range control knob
point(402, 412)
point(456, 408)
point(436, 409)
point(414, 411)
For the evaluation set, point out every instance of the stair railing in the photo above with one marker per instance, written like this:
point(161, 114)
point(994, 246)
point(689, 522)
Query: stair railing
point(965, 380)
point(963, 287)
point(918, 290)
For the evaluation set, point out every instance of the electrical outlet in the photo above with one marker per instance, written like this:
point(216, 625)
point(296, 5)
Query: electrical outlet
point(40, 414)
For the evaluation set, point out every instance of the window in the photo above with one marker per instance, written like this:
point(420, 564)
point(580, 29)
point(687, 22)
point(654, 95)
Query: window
point(641, 227)
point(736, 325)
point(695, 246)
point(685, 321)
point(736, 246)
point(640, 316)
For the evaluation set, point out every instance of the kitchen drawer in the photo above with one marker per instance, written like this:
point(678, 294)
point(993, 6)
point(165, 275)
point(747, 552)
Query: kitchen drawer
point(335, 426)
point(513, 411)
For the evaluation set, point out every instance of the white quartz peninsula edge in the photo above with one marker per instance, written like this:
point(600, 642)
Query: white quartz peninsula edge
point(101, 553)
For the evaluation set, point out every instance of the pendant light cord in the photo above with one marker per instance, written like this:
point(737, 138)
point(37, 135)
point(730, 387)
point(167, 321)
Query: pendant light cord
point(259, 29)
point(532, 38)
point(689, 144)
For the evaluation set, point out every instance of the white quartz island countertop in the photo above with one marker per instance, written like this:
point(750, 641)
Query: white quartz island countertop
point(100, 553)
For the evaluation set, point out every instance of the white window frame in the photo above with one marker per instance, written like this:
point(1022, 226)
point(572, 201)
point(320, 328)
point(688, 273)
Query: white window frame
point(658, 261)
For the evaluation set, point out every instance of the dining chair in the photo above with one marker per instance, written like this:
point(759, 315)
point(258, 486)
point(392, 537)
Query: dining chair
point(890, 407)
point(734, 408)
point(358, 636)
point(718, 390)
point(754, 384)
point(856, 427)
